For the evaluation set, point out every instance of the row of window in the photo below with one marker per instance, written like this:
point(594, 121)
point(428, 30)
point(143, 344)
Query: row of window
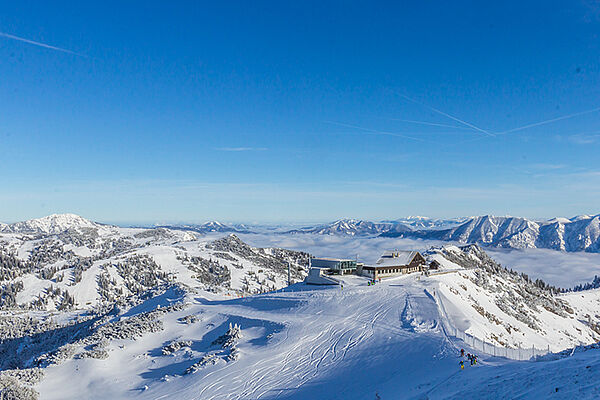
point(396, 270)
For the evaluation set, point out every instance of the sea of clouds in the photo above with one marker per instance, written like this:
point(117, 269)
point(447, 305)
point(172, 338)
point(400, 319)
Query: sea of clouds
point(555, 267)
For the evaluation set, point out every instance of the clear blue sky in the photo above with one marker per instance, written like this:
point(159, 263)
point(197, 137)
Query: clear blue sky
point(139, 112)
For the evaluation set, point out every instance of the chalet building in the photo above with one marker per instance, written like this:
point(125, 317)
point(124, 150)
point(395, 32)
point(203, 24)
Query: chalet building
point(394, 263)
point(334, 265)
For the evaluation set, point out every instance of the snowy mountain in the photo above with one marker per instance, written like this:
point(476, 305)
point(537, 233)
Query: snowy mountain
point(509, 232)
point(78, 269)
point(159, 332)
point(51, 224)
point(353, 227)
point(581, 233)
point(578, 234)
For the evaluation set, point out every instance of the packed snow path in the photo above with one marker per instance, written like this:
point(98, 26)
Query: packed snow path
point(333, 343)
point(305, 342)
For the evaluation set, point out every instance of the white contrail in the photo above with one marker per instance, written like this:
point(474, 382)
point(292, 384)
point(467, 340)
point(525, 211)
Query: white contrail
point(412, 121)
point(44, 45)
point(549, 121)
point(374, 131)
point(447, 115)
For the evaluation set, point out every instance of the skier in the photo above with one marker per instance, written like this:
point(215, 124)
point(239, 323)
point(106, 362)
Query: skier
point(474, 359)
point(462, 352)
point(462, 364)
point(342, 286)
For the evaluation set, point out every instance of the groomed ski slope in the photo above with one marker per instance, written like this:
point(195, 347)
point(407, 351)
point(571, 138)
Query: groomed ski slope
point(358, 342)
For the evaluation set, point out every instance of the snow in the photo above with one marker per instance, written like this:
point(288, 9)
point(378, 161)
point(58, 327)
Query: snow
point(325, 343)
point(357, 342)
point(52, 224)
point(395, 258)
point(295, 344)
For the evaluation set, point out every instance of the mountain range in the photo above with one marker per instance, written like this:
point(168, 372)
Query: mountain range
point(580, 233)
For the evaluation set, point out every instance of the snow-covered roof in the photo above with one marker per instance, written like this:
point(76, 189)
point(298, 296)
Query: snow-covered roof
point(395, 257)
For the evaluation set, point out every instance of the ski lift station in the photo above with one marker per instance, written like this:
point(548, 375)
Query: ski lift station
point(391, 263)
point(337, 266)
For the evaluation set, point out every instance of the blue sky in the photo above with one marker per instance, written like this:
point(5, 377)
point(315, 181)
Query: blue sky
point(140, 112)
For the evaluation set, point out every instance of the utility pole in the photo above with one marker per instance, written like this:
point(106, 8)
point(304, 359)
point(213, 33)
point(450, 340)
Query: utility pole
point(289, 274)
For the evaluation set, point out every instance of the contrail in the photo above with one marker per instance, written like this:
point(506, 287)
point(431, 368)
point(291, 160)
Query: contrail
point(33, 42)
point(549, 121)
point(428, 123)
point(447, 115)
point(374, 131)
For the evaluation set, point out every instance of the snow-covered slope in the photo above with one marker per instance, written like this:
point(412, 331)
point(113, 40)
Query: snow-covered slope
point(359, 342)
point(156, 314)
point(83, 268)
point(507, 309)
point(510, 232)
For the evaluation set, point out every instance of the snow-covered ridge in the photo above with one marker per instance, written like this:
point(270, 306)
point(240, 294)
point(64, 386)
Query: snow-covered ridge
point(354, 227)
point(581, 233)
point(51, 224)
point(577, 234)
point(80, 268)
point(508, 309)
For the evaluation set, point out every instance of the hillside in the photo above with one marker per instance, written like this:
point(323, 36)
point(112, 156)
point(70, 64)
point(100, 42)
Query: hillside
point(85, 264)
point(507, 309)
point(155, 313)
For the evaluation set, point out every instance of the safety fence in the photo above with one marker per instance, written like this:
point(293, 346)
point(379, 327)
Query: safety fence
point(491, 349)
point(520, 353)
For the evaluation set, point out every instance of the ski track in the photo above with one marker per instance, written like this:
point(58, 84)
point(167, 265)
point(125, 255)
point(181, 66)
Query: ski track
point(328, 331)
point(329, 347)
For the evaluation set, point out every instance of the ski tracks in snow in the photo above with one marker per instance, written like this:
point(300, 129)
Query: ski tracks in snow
point(318, 340)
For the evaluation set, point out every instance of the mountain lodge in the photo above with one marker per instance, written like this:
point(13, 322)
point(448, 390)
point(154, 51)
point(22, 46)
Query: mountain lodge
point(394, 263)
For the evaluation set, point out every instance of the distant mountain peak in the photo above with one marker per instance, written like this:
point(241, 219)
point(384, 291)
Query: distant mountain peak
point(50, 224)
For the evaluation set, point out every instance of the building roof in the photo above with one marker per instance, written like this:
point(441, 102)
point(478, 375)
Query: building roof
point(396, 257)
